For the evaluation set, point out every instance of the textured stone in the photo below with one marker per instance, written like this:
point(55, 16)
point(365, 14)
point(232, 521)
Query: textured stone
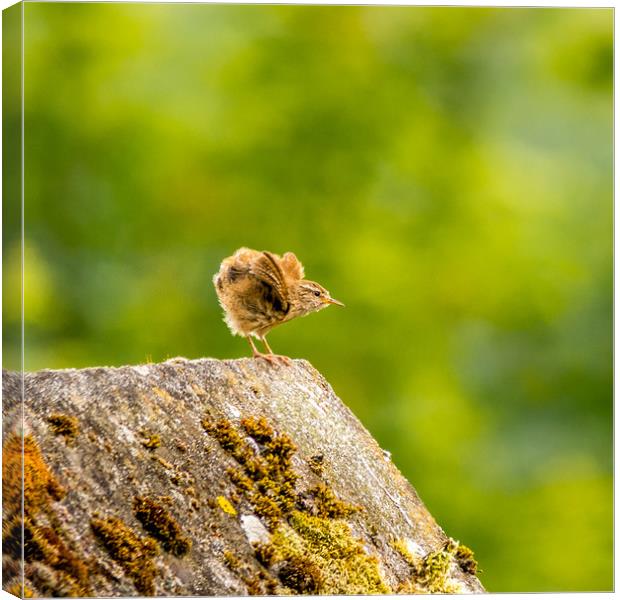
point(140, 435)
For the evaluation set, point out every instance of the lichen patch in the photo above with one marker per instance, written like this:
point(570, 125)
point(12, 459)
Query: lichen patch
point(226, 506)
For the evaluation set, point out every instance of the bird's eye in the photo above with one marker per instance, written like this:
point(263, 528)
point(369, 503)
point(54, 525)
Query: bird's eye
point(317, 293)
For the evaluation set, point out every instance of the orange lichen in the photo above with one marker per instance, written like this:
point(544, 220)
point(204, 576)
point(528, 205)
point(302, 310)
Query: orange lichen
point(39, 484)
point(39, 533)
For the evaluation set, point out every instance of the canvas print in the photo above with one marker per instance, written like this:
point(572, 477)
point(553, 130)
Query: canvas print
point(306, 300)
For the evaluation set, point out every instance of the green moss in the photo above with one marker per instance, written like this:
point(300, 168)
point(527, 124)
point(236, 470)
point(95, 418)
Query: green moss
point(40, 487)
point(281, 448)
point(64, 425)
point(158, 521)
point(36, 546)
point(431, 574)
point(312, 551)
point(258, 429)
point(330, 506)
point(317, 464)
point(267, 508)
point(258, 583)
point(334, 560)
point(241, 481)
point(465, 558)
point(225, 433)
point(266, 479)
point(264, 553)
point(132, 552)
point(231, 560)
point(301, 574)
point(401, 547)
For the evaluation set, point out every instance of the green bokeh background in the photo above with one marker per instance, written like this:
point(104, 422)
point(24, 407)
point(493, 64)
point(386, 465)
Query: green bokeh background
point(446, 172)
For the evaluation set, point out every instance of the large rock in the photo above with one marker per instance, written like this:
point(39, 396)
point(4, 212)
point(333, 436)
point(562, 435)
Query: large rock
point(209, 477)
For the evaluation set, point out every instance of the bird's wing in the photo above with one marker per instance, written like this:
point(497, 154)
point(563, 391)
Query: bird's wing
point(292, 267)
point(266, 267)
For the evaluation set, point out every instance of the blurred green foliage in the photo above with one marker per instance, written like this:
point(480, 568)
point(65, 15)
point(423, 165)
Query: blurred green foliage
point(446, 172)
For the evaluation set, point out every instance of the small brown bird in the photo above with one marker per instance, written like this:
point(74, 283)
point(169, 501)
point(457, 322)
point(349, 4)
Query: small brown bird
point(259, 290)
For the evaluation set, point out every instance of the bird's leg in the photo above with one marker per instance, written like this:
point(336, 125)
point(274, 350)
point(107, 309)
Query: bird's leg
point(264, 340)
point(255, 352)
point(285, 359)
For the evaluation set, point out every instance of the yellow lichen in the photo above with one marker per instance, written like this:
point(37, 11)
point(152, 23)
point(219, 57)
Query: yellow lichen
point(226, 506)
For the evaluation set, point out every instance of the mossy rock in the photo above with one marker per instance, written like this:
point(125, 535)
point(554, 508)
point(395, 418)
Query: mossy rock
point(258, 480)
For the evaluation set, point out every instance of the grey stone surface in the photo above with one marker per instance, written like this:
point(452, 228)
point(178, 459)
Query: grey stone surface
point(108, 463)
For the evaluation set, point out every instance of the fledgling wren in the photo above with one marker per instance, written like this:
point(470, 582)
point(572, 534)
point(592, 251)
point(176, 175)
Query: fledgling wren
point(260, 290)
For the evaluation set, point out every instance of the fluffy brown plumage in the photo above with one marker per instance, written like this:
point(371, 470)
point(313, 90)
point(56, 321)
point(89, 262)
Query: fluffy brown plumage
point(259, 290)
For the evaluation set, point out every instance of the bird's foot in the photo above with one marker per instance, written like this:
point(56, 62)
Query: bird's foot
point(285, 360)
point(274, 359)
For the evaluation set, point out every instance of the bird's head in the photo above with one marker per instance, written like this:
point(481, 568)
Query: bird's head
point(311, 297)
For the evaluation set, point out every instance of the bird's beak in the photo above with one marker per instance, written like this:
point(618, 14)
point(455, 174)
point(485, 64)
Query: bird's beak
point(332, 301)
